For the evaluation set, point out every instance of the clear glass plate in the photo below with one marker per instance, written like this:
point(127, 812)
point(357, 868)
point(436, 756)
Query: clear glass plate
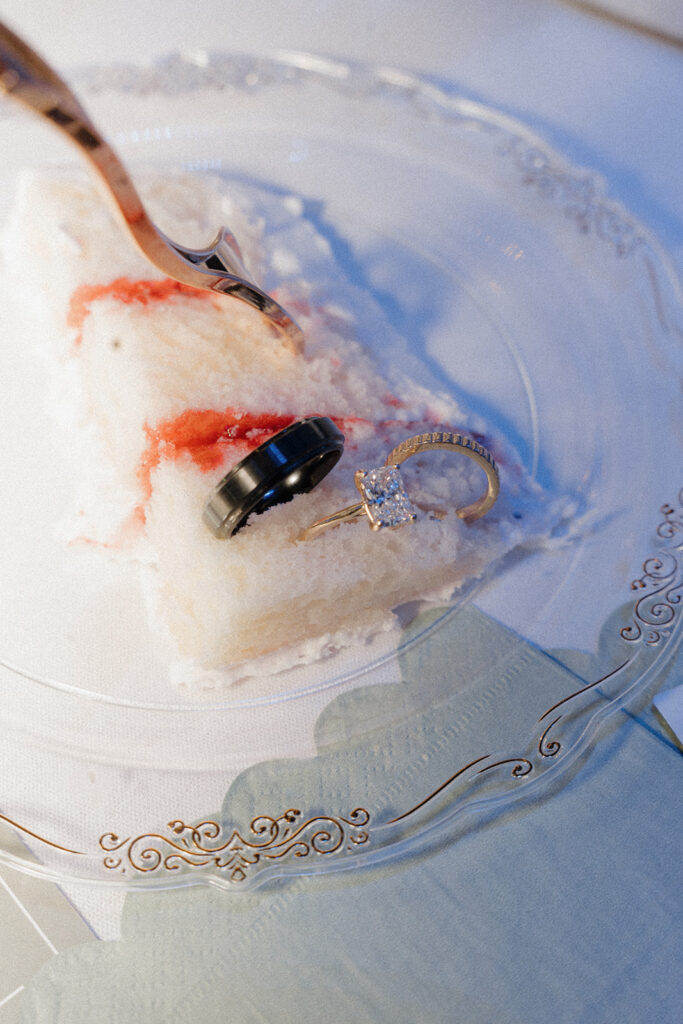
point(533, 297)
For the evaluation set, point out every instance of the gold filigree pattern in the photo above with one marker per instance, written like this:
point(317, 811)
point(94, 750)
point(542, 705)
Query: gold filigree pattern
point(41, 839)
point(661, 584)
point(520, 766)
point(208, 845)
point(579, 195)
point(230, 855)
point(653, 617)
point(546, 747)
point(673, 520)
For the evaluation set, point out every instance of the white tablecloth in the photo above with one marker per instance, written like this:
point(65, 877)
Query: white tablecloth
point(608, 97)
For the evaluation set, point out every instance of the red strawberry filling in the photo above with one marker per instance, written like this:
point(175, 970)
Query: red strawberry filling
point(205, 435)
point(124, 290)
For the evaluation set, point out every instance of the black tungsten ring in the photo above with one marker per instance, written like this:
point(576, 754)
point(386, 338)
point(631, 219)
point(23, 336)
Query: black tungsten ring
point(292, 462)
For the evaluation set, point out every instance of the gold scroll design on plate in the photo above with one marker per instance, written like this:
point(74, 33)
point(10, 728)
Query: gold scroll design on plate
point(579, 195)
point(517, 766)
point(661, 584)
point(654, 616)
point(208, 845)
point(41, 839)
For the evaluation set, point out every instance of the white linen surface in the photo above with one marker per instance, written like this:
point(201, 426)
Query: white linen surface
point(608, 98)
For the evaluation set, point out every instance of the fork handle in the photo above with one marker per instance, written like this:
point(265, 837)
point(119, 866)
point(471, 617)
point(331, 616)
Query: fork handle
point(26, 77)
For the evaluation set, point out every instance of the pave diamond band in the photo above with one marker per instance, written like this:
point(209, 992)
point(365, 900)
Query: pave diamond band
point(384, 501)
point(448, 441)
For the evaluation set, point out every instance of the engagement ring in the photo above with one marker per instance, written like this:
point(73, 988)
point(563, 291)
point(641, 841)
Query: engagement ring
point(384, 501)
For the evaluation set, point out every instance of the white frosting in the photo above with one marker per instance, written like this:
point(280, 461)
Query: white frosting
point(135, 367)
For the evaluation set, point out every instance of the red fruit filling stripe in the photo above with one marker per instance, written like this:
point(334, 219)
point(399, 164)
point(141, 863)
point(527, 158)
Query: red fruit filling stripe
point(124, 290)
point(205, 435)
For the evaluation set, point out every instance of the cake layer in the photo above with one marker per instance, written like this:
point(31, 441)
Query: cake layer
point(175, 385)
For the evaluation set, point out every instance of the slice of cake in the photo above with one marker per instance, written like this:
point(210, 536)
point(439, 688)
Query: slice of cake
point(162, 389)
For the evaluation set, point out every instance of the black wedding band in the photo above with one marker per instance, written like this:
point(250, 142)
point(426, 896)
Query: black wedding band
point(292, 462)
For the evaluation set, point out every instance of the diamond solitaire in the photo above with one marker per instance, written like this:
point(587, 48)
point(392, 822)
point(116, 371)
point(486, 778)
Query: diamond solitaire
point(385, 501)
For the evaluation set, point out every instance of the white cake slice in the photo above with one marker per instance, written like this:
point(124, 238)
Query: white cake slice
point(174, 386)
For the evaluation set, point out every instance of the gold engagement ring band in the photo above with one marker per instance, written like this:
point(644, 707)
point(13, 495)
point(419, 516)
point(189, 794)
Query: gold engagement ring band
point(384, 501)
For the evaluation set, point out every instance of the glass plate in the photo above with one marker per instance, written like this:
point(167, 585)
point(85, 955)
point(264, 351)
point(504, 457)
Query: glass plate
point(532, 296)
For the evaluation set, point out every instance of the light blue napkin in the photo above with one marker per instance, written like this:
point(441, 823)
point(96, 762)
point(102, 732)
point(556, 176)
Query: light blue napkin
point(563, 909)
